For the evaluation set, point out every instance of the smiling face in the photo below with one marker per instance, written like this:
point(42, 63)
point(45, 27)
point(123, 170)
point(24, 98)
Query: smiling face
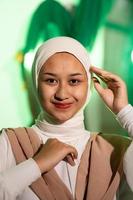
point(62, 86)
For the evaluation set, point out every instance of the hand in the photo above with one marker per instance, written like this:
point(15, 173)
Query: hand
point(52, 152)
point(115, 94)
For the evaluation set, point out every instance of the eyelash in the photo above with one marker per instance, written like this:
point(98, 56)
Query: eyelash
point(72, 82)
point(75, 81)
point(51, 81)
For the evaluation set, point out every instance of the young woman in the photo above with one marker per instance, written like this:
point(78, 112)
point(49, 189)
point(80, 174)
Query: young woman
point(57, 158)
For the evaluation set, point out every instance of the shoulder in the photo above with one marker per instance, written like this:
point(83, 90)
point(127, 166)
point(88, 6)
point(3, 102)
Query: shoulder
point(21, 133)
point(4, 142)
point(119, 142)
point(3, 139)
point(116, 139)
point(23, 140)
point(6, 155)
point(119, 145)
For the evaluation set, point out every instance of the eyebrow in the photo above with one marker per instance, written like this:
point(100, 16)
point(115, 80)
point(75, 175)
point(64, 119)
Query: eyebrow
point(52, 74)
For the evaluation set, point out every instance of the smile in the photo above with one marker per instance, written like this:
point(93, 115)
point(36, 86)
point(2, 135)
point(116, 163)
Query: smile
point(62, 105)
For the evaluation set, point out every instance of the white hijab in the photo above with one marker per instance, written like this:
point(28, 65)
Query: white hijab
point(73, 127)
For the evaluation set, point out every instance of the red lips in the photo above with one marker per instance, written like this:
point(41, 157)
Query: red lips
point(62, 105)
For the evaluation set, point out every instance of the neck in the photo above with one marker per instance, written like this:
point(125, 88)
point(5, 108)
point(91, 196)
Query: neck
point(49, 119)
point(44, 122)
point(67, 132)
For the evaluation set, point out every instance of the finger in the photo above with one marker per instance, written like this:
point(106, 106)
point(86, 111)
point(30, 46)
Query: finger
point(105, 75)
point(95, 80)
point(69, 158)
point(73, 156)
point(101, 74)
point(97, 86)
point(100, 89)
point(72, 150)
point(74, 153)
point(97, 70)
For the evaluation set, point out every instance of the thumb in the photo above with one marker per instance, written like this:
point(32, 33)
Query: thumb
point(97, 86)
point(69, 158)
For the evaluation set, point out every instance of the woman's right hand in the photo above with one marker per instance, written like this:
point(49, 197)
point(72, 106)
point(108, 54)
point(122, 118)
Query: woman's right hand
point(52, 152)
point(114, 94)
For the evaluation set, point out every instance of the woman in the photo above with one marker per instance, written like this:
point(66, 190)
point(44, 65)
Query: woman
point(57, 158)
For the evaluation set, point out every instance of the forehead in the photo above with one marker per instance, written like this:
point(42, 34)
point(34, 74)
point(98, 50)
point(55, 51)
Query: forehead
point(63, 61)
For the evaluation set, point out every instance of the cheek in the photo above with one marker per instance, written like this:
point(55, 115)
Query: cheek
point(45, 93)
point(81, 94)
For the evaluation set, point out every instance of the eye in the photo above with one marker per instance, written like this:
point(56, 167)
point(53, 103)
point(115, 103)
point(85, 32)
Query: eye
point(51, 81)
point(74, 82)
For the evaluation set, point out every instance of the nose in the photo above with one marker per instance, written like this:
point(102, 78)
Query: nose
point(62, 93)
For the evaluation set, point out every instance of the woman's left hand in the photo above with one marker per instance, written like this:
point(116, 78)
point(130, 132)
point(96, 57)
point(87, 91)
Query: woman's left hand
point(115, 94)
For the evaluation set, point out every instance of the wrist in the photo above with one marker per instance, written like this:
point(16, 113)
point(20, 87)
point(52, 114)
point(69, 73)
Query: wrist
point(125, 117)
point(40, 164)
point(120, 107)
point(125, 110)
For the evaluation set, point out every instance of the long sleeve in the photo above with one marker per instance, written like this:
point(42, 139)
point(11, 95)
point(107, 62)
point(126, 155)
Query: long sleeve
point(14, 179)
point(125, 117)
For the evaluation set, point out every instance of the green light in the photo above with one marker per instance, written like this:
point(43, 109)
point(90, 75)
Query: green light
point(132, 56)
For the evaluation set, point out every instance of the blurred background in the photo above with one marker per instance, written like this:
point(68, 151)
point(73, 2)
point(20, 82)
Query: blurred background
point(104, 27)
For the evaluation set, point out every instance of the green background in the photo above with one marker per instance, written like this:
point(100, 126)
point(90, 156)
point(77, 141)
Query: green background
point(104, 27)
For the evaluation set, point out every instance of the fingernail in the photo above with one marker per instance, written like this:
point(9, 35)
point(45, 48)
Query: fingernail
point(95, 80)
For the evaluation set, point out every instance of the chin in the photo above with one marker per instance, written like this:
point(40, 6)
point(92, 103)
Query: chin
point(62, 119)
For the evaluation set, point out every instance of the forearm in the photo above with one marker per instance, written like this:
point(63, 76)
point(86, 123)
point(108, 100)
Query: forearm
point(125, 118)
point(13, 181)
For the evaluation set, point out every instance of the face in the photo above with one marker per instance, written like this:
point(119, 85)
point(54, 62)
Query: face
point(62, 86)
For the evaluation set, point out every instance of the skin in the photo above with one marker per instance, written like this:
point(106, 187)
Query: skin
point(62, 81)
point(114, 96)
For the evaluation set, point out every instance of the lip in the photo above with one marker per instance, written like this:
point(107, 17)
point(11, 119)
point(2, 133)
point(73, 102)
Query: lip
point(62, 105)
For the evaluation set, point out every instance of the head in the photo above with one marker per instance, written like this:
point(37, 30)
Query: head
point(62, 79)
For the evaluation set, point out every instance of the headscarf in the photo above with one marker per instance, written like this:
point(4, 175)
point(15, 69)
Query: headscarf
point(56, 45)
point(45, 51)
point(72, 131)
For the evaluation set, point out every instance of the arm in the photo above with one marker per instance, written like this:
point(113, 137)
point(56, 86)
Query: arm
point(125, 118)
point(115, 97)
point(14, 179)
